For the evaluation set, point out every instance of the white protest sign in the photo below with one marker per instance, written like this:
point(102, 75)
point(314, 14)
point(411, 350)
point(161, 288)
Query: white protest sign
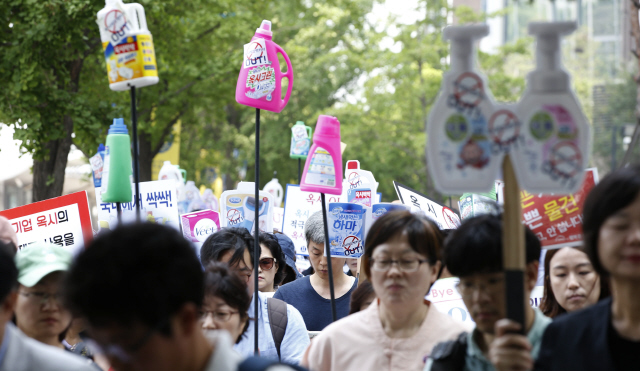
point(444, 217)
point(64, 221)
point(158, 202)
point(278, 218)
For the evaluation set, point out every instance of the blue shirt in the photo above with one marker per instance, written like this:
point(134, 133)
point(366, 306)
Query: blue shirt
point(294, 343)
point(4, 345)
point(315, 309)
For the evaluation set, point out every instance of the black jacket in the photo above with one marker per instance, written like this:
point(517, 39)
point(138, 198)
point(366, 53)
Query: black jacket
point(578, 341)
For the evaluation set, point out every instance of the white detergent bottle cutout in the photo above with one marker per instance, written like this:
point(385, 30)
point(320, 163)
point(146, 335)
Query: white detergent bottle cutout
point(210, 200)
point(274, 187)
point(458, 144)
point(237, 208)
point(556, 133)
point(127, 44)
point(361, 186)
point(192, 196)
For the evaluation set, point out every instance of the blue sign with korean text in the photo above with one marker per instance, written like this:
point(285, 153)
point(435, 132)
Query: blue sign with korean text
point(346, 229)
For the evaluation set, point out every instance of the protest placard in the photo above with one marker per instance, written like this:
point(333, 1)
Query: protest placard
point(63, 220)
point(556, 219)
point(158, 204)
point(443, 216)
point(278, 218)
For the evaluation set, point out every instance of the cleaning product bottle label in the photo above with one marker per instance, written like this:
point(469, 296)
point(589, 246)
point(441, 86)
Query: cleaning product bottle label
point(299, 141)
point(554, 138)
point(321, 170)
point(263, 80)
point(133, 57)
point(255, 54)
point(97, 166)
point(346, 229)
point(105, 170)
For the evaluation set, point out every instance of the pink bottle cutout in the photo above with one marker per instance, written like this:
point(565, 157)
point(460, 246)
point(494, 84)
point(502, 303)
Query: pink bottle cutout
point(260, 81)
point(323, 169)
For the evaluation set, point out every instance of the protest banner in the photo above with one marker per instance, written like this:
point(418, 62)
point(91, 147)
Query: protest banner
point(63, 220)
point(158, 204)
point(298, 206)
point(443, 216)
point(556, 219)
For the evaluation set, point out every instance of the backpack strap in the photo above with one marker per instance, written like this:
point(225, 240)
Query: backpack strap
point(450, 355)
point(277, 310)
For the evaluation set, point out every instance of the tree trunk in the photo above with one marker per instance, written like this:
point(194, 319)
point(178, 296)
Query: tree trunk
point(634, 7)
point(48, 173)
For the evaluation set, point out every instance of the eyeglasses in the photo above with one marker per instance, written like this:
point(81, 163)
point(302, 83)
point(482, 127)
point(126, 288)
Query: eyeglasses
point(218, 315)
point(267, 263)
point(42, 297)
point(405, 265)
point(491, 286)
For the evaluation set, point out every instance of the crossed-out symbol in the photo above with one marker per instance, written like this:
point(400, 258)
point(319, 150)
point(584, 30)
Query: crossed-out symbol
point(112, 19)
point(507, 122)
point(450, 218)
point(468, 89)
point(566, 158)
point(233, 215)
point(258, 46)
point(350, 241)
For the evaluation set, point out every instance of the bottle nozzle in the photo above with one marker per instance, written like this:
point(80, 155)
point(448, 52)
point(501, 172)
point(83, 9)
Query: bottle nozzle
point(265, 28)
point(118, 127)
point(548, 75)
point(462, 40)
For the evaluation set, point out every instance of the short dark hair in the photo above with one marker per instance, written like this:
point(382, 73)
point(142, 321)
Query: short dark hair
point(423, 235)
point(549, 304)
point(221, 282)
point(615, 192)
point(476, 246)
point(8, 271)
point(226, 239)
point(136, 273)
point(272, 244)
point(359, 295)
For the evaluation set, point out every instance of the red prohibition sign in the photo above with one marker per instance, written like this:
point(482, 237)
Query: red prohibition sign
point(468, 89)
point(111, 21)
point(350, 241)
point(233, 215)
point(566, 156)
point(507, 120)
point(450, 218)
point(354, 179)
point(257, 46)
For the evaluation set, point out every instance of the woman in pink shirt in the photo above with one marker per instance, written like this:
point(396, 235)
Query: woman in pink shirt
point(399, 329)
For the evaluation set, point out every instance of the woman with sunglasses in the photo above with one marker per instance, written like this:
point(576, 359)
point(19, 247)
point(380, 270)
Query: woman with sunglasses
point(272, 266)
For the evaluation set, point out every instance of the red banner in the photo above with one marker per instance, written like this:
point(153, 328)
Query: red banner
point(557, 220)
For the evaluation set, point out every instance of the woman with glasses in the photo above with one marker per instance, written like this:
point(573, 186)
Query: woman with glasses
point(39, 312)
point(398, 330)
point(272, 265)
point(226, 302)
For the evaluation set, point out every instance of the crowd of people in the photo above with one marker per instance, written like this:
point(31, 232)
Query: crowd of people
point(140, 298)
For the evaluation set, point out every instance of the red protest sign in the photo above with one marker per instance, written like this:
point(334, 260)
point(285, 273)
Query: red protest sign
point(557, 220)
point(64, 220)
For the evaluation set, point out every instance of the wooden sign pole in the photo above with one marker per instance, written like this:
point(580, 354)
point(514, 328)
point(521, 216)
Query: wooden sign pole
point(513, 248)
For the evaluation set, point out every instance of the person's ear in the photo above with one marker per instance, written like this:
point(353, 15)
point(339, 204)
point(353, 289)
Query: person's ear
point(435, 268)
point(531, 275)
point(186, 320)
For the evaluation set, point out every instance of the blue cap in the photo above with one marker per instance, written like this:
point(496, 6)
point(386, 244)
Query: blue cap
point(289, 251)
point(101, 148)
point(118, 127)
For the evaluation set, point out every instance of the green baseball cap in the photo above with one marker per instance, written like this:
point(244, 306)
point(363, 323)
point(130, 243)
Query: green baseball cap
point(37, 260)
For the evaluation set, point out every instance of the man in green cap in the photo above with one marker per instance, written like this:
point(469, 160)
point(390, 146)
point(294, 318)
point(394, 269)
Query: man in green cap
point(17, 351)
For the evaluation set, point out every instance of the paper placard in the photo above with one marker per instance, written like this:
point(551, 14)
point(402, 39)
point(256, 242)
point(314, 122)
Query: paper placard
point(443, 216)
point(158, 202)
point(278, 218)
point(346, 225)
point(63, 220)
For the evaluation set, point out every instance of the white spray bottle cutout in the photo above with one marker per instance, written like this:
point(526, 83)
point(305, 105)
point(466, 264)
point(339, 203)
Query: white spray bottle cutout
point(118, 20)
point(556, 133)
point(458, 142)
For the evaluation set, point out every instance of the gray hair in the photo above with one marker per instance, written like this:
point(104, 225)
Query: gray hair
point(314, 229)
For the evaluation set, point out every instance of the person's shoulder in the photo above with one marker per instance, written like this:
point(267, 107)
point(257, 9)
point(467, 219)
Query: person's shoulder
point(584, 316)
point(293, 286)
point(354, 323)
point(447, 323)
point(45, 357)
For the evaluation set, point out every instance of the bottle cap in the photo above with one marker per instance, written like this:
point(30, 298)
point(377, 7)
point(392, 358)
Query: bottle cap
point(549, 75)
point(299, 122)
point(353, 165)
point(265, 28)
point(462, 39)
point(328, 125)
point(101, 147)
point(118, 127)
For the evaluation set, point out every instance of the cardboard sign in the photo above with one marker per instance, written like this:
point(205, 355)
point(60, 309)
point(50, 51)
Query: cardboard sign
point(298, 206)
point(63, 220)
point(443, 216)
point(557, 219)
point(347, 232)
point(158, 202)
